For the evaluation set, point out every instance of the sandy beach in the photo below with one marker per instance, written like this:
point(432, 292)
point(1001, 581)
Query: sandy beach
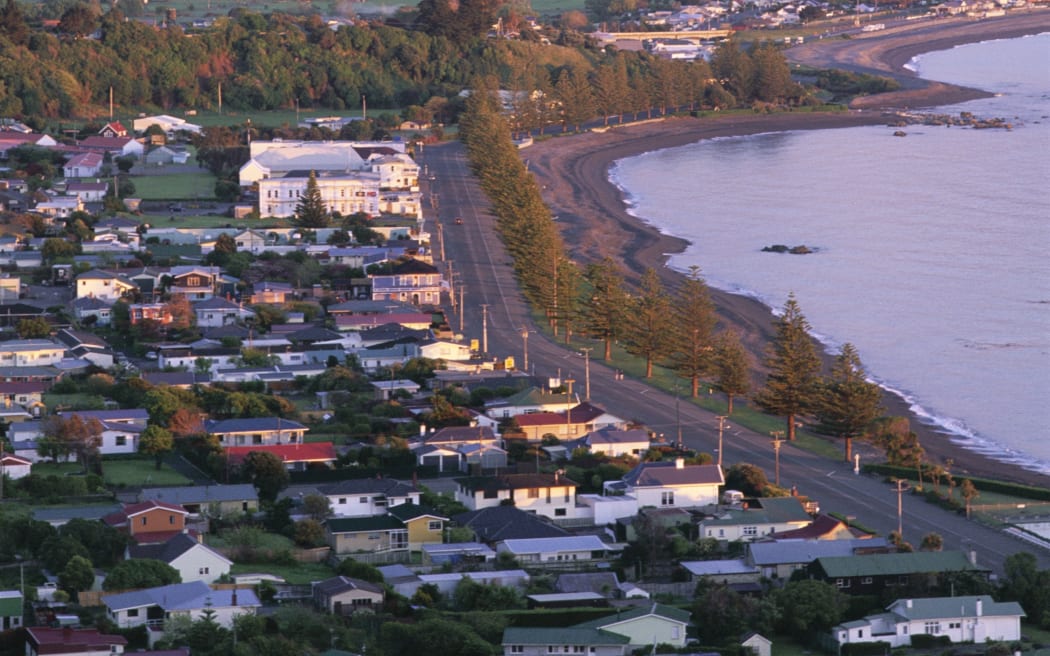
point(573, 172)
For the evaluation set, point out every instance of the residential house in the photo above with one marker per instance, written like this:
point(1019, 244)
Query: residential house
point(103, 285)
point(158, 312)
point(645, 625)
point(530, 400)
point(457, 553)
point(193, 560)
point(759, 518)
point(779, 558)
point(967, 619)
point(57, 206)
point(613, 442)
point(150, 607)
point(83, 165)
point(544, 641)
point(171, 125)
point(149, 522)
point(412, 281)
point(12, 609)
point(91, 311)
point(757, 644)
point(349, 535)
point(216, 312)
point(254, 242)
point(670, 484)
point(418, 321)
point(115, 146)
point(388, 389)
point(113, 129)
point(115, 437)
point(343, 595)
point(569, 548)
point(89, 346)
point(131, 416)
point(424, 525)
point(27, 395)
point(14, 467)
point(345, 192)
point(495, 524)
point(823, 527)
point(208, 500)
point(606, 584)
point(255, 431)
point(721, 572)
point(88, 192)
point(31, 353)
point(296, 457)
point(405, 582)
point(67, 641)
point(195, 283)
point(269, 291)
point(549, 495)
point(12, 313)
point(439, 349)
point(367, 497)
point(871, 574)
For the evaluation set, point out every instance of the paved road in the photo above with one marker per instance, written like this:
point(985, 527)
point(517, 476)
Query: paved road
point(480, 260)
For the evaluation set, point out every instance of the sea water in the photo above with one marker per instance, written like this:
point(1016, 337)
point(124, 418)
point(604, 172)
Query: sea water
point(931, 251)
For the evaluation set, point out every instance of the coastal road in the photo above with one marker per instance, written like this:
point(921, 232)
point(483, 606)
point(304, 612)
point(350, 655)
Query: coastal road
point(480, 262)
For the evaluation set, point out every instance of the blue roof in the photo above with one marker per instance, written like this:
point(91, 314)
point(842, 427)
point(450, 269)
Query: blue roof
point(180, 597)
point(249, 424)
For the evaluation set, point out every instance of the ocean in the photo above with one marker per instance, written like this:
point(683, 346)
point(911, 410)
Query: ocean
point(931, 251)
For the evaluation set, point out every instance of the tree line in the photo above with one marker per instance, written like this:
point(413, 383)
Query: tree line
point(264, 62)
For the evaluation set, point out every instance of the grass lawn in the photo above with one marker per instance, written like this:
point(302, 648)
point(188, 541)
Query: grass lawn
point(177, 186)
point(271, 541)
point(79, 401)
point(299, 574)
point(57, 468)
point(140, 472)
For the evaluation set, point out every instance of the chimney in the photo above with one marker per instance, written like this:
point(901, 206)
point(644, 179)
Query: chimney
point(679, 463)
point(980, 607)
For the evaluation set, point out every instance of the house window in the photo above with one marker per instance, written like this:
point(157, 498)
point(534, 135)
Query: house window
point(750, 530)
point(860, 633)
point(667, 498)
point(143, 521)
point(675, 632)
point(954, 625)
point(559, 512)
point(133, 612)
point(434, 525)
point(517, 649)
point(933, 628)
point(842, 583)
point(866, 580)
point(202, 571)
point(122, 440)
point(490, 494)
point(171, 519)
point(363, 500)
point(342, 501)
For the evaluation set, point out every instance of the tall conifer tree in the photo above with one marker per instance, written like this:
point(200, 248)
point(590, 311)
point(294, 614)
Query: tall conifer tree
point(794, 369)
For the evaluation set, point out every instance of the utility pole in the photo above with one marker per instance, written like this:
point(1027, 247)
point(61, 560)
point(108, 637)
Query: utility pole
point(462, 290)
point(441, 238)
point(451, 278)
point(587, 371)
point(525, 348)
point(484, 328)
point(568, 408)
point(778, 440)
point(678, 413)
point(721, 429)
point(900, 509)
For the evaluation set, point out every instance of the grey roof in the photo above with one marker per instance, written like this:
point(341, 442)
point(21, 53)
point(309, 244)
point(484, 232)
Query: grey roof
point(659, 474)
point(181, 596)
point(386, 486)
point(515, 635)
point(600, 582)
point(339, 584)
point(249, 424)
point(53, 515)
point(773, 511)
point(660, 610)
point(954, 607)
point(200, 493)
point(784, 552)
point(563, 543)
point(717, 567)
point(168, 551)
point(397, 573)
point(507, 522)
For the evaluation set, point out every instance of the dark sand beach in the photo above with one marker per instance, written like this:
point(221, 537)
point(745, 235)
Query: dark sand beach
point(573, 172)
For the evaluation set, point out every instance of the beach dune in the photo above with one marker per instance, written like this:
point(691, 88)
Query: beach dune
point(573, 173)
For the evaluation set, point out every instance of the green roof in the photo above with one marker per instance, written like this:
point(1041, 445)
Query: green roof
point(10, 603)
point(518, 635)
point(406, 512)
point(897, 564)
point(534, 396)
point(941, 607)
point(773, 511)
point(669, 612)
point(360, 524)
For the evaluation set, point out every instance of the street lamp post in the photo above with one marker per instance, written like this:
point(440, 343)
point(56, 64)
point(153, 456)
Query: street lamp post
point(525, 348)
point(587, 371)
point(900, 509)
point(568, 407)
point(485, 328)
point(721, 429)
point(778, 440)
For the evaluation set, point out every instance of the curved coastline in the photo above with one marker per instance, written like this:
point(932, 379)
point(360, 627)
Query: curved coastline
point(596, 218)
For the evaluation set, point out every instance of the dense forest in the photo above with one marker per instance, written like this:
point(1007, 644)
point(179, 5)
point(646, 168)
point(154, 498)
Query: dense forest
point(261, 62)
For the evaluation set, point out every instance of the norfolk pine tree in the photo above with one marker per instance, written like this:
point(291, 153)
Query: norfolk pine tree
point(646, 334)
point(310, 211)
point(849, 404)
point(794, 369)
point(691, 333)
point(732, 368)
point(604, 307)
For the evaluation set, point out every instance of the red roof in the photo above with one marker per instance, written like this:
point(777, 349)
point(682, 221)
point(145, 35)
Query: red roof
point(71, 640)
point(306, 452)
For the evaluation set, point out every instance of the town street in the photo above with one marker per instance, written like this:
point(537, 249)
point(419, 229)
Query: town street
point(480, 262)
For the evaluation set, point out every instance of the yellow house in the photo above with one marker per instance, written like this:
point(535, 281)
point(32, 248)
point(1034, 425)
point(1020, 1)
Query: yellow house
point(405, 527)
point(424, 526)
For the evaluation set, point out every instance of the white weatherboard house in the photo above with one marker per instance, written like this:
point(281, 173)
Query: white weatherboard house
point(975, 619)
point(150, 607)
point(561, 549)
point(670, 484)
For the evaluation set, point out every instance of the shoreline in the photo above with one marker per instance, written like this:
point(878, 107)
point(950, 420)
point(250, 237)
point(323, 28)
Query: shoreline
point(595, 222)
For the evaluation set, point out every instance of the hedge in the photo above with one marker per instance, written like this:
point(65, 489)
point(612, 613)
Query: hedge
point(865, 648)
point(982, 484)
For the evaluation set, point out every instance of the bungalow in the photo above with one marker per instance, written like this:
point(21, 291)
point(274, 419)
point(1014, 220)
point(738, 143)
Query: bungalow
point(216, 312)
point(360, 322)
point(103, 285)
point(613, 442)
point(670, 484)
point(116, 146)
point(969, 619)
point(871, 574)
point(12, 609)
point(31, 353)
point(14, 467)
point(150, 607)
point(412, 281)
point(543, 641)
point(193, 560)
point(528, 401)
point(424, 525)
point(91, 311)
point(209, 500)
point(568, 548)
point(196, 283)
point(760, 518)
point(780, 559)
point(88, 192)
point(255, 431)
point(367, 497)
point(348, 535)
point(149, 522)
point(296, 457)
point(113, 129)
point(42, 640)
point(492, 525)
point(83, 165)
point(549, 495)
point(28, 395)
point(343, 595)
point(645, 625)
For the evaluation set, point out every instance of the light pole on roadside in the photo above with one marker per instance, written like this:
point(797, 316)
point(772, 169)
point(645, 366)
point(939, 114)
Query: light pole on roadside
point(485, 328)
point(525, 348)
point(721, 430)
point(587, 371)
point(778, 440)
